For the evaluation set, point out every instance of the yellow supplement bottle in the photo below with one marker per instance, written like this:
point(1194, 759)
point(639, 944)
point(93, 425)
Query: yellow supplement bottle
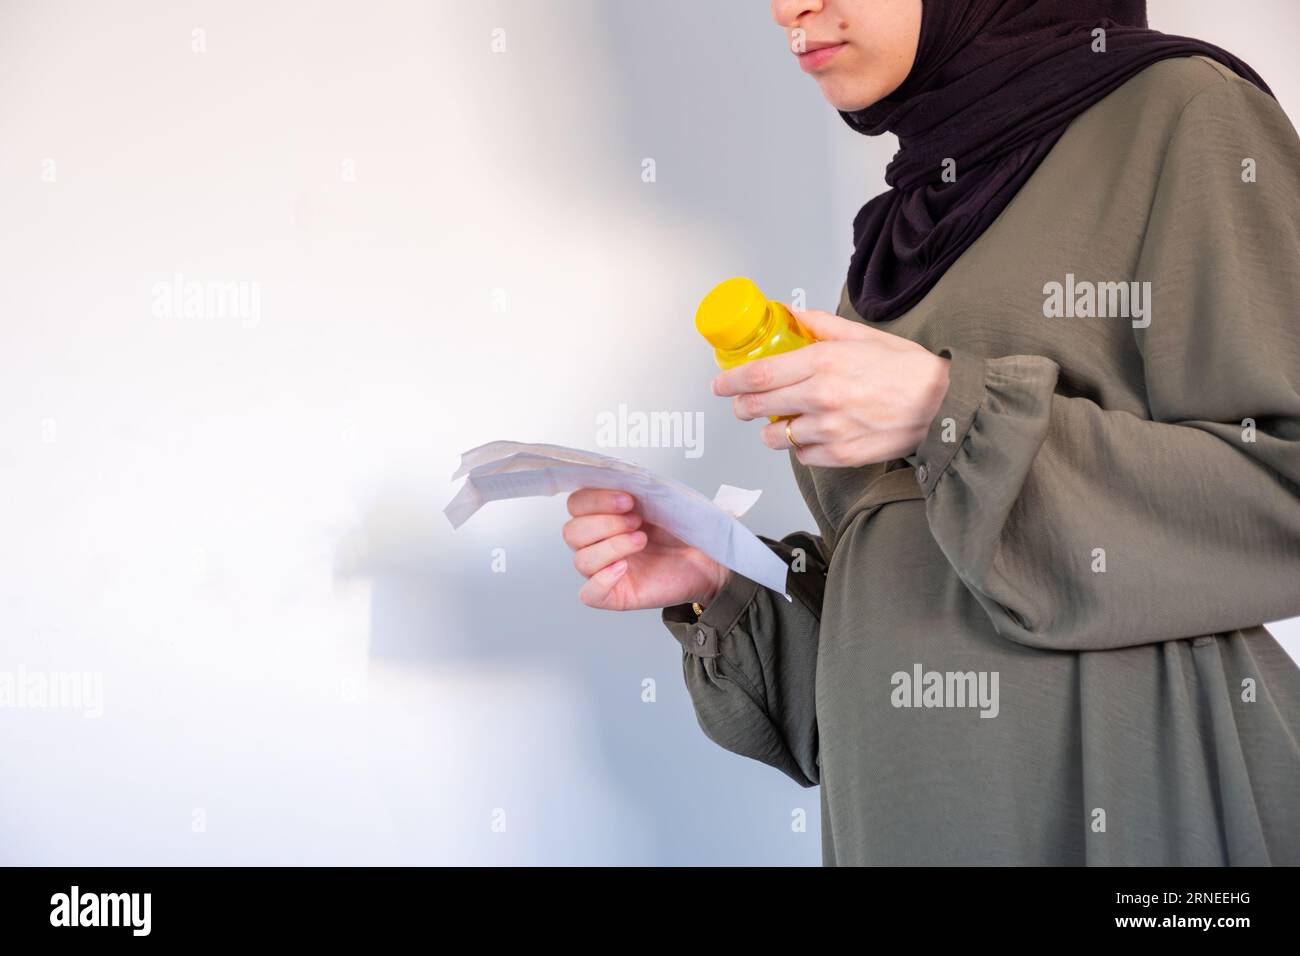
point(742, 324)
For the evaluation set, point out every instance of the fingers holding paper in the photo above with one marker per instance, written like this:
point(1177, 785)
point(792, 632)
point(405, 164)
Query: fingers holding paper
point(629, 563)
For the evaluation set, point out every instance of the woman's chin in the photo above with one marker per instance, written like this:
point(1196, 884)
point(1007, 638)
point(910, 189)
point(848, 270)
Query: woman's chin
point(843, 98)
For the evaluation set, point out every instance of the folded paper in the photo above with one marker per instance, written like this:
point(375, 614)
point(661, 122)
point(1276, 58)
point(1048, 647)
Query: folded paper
point(505, 469)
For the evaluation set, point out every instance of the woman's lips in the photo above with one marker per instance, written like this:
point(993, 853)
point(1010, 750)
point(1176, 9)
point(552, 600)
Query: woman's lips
point(814, 60)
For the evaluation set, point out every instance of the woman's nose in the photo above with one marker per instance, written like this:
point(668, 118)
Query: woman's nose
point(787, 13)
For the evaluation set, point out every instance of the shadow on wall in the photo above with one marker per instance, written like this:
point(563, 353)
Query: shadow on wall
point(436, 610)
point(740, 151)
point(707, 92)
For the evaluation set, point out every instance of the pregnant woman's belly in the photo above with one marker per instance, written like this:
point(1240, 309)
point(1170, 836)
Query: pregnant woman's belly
point(940, 741)
point(943, 742)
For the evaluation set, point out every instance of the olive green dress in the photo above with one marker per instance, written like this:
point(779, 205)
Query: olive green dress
point(1038, 640)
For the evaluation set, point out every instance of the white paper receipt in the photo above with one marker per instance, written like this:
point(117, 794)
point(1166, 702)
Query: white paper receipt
point(507, 469)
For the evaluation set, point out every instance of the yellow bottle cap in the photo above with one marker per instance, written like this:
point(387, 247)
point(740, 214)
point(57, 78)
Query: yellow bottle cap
point(731, 313)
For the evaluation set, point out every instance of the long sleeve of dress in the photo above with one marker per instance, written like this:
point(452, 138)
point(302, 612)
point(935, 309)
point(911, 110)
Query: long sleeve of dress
point(750, 661)
point(1082, 528)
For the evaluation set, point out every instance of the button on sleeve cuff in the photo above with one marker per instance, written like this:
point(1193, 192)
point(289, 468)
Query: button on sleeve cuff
point(700, 637)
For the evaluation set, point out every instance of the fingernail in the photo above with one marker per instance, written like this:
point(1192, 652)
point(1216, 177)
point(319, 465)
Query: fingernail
point(713, 386)
point(622, 501)
point(638, 538)
point(617, 568)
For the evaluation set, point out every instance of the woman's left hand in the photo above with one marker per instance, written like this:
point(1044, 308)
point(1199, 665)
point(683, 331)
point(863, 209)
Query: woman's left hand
point(861, 395)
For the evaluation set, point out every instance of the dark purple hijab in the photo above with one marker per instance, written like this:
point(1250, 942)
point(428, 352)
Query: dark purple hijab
point(994, 85)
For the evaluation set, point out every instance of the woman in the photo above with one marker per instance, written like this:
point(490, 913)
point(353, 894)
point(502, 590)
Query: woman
point(1051, 442)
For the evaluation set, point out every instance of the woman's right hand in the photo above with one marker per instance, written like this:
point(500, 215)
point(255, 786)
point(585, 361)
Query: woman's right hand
point(629, 563)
